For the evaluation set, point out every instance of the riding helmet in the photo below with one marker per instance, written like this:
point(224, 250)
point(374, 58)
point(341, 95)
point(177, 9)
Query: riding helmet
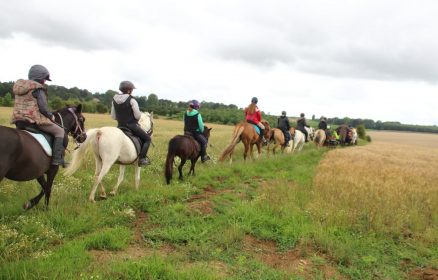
point(254, 100)
point(195, 104)
point(283, 113)
point(302, 115)
point(126, 85)
point(39, 72)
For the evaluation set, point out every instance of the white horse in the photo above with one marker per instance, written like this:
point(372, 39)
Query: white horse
point(354, 136)
point(319, 138)
point(310, 132)
point(110, 145)
point(297, 141)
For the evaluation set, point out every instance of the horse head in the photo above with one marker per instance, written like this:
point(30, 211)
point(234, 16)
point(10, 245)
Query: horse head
point(267, 128)
point(72, 120)
point(206, 131)
point(147, 122)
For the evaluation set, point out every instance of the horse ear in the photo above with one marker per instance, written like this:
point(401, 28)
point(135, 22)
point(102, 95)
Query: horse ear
point(210, 129)
point(79, 108)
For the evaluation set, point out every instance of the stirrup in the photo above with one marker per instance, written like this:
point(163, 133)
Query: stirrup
point(144, 161)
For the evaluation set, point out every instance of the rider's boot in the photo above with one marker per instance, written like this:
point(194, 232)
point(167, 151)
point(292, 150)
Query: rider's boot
point(142, 157)
point(58, 152)
point(204, 156)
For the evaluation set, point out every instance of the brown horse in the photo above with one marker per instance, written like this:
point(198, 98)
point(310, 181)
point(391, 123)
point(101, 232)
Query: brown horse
point(345, 134)
point(246, 133)
point(277, 139)
point(186, 148)
point(23, 159)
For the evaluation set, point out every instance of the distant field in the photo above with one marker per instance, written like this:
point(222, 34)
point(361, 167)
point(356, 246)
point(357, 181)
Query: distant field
point(428, 140)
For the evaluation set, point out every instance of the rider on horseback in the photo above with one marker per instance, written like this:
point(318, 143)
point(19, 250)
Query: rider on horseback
point(284, 125)
point(194, 126)
point(31, 106)
point(127, 113)
point(301, 124)
point(254, 116)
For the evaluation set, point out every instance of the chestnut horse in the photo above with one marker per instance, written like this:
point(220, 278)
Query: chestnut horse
point(186, 148)
point(23, 159)
point(246, 133)
point(277, 139)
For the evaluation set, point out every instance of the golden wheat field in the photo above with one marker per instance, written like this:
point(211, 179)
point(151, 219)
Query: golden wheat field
point(391, 183)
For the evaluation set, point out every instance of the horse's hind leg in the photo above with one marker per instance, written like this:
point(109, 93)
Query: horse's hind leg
point(103, 171)
point(180, 166)
point(119, 180)
point(34, 201)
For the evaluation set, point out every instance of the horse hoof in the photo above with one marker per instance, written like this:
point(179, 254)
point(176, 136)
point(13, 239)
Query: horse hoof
point(113, 193)
point(27, 205)
point(102, 196)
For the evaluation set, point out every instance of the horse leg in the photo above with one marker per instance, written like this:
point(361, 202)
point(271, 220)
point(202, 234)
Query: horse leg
point(51, 173)
point(137, 177)
point(245, 152)
point(259, 150)
point(192, 167)
point(103, 171)
point(180, 166)
point(119, 180)
point(34, 201)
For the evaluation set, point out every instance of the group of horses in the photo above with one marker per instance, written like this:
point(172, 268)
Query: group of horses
point(23, 159)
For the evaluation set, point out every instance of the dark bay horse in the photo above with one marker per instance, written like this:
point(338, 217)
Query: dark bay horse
point(246, 133)
point(23, 159)
point(186, 148)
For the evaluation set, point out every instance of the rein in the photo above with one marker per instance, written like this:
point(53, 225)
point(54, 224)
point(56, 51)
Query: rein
point(78, 127)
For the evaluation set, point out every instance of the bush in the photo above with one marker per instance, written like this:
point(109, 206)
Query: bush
point(361, 133)
point(368, 138)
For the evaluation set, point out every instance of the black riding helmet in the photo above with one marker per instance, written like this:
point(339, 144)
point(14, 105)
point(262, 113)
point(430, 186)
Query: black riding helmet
point(254, 100)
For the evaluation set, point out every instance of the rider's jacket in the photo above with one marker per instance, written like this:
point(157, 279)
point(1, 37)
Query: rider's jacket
point(255, 117)
point(26, 105)
point(283, 123)
point(191, 123)
point(124, 112)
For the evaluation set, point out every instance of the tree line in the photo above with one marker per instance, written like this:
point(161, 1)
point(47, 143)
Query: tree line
point(211, 112)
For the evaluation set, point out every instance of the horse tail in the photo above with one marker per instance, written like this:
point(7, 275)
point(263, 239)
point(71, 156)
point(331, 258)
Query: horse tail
point(79, 153)
point(168, 167)
point(236, 138)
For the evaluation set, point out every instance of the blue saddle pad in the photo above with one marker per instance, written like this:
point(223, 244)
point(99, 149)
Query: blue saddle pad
point(42, 141)
point(257, 128)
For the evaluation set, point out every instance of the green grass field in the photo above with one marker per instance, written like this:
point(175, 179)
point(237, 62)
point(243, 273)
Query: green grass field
point(273, 218)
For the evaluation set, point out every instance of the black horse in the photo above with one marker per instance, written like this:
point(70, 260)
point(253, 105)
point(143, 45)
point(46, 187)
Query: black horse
point(23, 159)
point(186, 148)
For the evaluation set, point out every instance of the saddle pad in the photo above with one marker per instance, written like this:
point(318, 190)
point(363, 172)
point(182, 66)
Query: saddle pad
point(42, 141)
point(257, 128)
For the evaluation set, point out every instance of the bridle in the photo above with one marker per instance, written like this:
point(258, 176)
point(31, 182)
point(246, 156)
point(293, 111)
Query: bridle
point(77, 128)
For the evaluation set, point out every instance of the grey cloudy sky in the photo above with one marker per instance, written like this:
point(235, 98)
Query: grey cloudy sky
point(374, 59)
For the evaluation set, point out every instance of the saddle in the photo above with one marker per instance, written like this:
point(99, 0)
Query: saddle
point(33, 128)
point(257, 128)
point(134, 138)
